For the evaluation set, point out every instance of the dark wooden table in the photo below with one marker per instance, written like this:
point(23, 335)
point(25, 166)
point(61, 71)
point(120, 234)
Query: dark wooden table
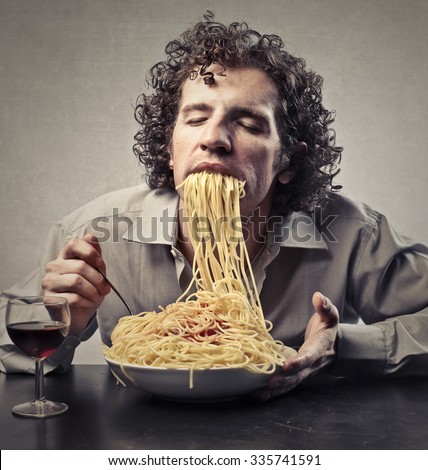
point(345, 414)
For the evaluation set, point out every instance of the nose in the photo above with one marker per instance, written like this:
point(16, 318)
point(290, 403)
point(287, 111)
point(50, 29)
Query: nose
point(216, 138)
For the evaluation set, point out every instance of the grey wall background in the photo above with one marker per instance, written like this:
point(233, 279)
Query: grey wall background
point(70, 71)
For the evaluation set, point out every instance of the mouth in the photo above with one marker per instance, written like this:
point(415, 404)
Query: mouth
point(214, 168)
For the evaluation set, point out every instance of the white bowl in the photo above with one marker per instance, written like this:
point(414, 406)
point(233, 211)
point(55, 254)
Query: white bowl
point(174, 384)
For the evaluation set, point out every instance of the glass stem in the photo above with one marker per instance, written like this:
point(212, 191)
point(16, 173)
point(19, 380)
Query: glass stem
point(39, 380)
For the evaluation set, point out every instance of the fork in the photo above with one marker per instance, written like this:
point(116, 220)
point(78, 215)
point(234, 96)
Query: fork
point(115, 290)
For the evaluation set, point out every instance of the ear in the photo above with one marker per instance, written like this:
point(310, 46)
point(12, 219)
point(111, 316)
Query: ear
point(286, 176)
point(300, 150)
point(171, 160)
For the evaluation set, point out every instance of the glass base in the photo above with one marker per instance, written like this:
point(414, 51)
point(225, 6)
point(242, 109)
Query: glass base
point(39, 409)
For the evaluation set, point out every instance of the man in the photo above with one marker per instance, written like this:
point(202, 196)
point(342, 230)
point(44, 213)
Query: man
point(227, 99)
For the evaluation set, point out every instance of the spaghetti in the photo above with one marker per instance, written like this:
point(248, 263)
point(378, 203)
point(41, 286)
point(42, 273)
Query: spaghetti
point(222, 323)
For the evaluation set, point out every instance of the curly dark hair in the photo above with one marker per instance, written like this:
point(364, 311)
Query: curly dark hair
point(301, 115)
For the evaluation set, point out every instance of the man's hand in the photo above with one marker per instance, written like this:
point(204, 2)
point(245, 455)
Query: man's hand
point(73, 275)
point(317, 352)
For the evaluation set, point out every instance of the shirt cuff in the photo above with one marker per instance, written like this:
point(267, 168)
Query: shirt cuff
point(14, 361)
point(361, 350)
point(90, 328)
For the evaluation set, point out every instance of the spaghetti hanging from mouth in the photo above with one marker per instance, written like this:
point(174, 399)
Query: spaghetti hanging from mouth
point(221, 325)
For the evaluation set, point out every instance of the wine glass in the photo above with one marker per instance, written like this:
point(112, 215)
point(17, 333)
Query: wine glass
point(38, 325)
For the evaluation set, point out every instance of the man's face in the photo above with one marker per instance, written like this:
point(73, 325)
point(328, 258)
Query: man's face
point(230, 127)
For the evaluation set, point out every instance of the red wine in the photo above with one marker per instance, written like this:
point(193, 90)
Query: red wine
point(36, 338)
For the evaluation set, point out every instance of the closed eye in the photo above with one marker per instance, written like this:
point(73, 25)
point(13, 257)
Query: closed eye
point(251, 127)
point(195, 114)
point(195, 121)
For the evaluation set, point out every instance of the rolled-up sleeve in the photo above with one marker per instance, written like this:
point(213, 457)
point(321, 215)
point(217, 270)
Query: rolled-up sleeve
point(388, 289)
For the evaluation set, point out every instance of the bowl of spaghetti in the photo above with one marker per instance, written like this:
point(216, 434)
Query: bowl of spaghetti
point(214, 343)
point(208, 385)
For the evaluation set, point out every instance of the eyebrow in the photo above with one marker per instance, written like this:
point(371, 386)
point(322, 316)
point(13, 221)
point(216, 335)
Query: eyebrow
point(195, 107)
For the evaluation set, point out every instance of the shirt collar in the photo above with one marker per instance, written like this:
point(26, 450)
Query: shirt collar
point(158, 224)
